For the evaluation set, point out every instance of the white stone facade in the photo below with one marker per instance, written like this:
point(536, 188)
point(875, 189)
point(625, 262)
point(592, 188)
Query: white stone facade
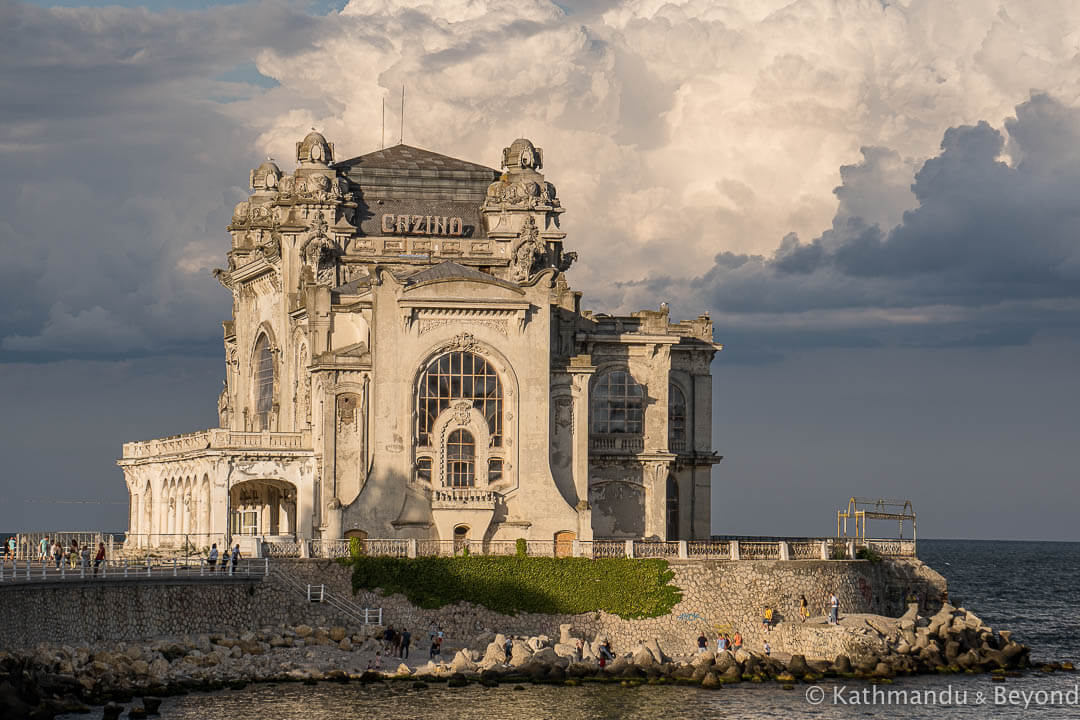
point(405, 359)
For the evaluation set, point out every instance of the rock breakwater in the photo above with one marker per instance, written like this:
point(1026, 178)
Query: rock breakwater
point(52, 679)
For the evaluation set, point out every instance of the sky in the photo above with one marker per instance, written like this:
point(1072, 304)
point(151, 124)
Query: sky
point(877, 202)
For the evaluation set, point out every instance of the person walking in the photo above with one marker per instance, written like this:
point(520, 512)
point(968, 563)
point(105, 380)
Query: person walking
point(212, 559)
point(804, 609)
point(508, 649)
point(13, 547)
point(406, 640)
point(834, 609)
point(58, 553)
point(388, 638)
point(99, 558)
point(235, 556)
point(767, 620)
point(43, 551)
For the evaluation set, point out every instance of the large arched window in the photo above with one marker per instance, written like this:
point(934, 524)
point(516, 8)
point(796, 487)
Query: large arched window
point(618, 404)
point(263, 382)
point(459, 376)
point(676, 419)
point(460, 459)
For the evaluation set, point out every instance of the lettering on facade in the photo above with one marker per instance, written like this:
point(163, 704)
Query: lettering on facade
point(422, 225)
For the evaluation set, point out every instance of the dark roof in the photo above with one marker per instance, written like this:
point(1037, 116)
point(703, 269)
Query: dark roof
point(405, 172)
point(448, 270)
point(407, 158)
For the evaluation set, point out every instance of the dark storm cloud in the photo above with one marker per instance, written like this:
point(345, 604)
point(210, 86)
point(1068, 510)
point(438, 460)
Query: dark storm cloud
point(990, 255)
point(120, 173)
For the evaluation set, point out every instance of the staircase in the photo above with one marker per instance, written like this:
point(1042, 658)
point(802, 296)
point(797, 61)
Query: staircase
point(319, 593)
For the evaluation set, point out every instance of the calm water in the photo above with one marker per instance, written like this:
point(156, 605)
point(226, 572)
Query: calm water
point(1031, 588)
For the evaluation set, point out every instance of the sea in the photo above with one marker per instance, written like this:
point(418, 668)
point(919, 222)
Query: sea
point(1031, 588)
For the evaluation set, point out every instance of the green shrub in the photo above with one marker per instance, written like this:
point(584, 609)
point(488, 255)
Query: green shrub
point(867, 553)
point(521, 548)
point(624, 587)
point(356, 547)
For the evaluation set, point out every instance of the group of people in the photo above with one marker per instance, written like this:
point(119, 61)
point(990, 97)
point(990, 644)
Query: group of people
point(724, 642)
point(226, 559)
point(397, 642)
point(769, 620)
point(75, 555)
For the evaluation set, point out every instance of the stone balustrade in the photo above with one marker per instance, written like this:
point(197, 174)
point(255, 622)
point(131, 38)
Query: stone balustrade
point(218, 439)
point(454, 498)
point(794, 549)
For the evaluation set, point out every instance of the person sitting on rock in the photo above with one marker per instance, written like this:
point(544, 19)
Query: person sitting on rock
point(736, 641)
point(508, 648)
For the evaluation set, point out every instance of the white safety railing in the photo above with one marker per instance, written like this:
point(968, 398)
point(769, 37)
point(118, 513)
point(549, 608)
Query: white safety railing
point(36, 572)
point(319, 593)
point(774, 549)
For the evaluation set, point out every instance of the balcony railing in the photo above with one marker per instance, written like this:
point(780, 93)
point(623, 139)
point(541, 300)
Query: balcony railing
point(616, 444)
point(218, 439)
point(792, 549)
point(455, 498)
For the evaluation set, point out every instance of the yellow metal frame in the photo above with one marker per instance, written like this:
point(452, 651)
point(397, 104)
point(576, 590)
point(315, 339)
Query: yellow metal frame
point(862, 509)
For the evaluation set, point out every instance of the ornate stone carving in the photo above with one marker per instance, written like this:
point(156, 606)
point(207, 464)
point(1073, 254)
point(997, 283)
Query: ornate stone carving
point(527, 251)
point(462, 342)
point(462, 410)
point(428, 324)
point(319, 252)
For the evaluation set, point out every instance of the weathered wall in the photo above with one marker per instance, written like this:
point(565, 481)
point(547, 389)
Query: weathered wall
point(715, 594)
point(107, 611)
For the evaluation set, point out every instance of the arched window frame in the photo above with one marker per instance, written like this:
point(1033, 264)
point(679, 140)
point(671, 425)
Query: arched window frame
point(678, 417)
point(263, 380)
point(617, 404)
point(460, 459)
point(494, 451)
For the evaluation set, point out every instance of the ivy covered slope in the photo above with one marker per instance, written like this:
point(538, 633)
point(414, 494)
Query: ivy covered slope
point(623, 587)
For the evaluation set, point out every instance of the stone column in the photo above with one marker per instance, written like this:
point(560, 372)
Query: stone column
point(655, 477)
point(580, 375)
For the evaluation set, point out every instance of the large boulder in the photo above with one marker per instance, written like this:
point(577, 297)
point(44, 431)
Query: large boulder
point(564, 635)
point(842, 664)
point(337, 633)
point(520, 654)
point(493, 655)
point(724, 660)
point(566, 649)
point(653, 646)
point(462, 663)
point(797, 666)
point(643, 657)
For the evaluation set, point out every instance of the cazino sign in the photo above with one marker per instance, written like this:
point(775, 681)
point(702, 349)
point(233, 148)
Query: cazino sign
point(422, 225)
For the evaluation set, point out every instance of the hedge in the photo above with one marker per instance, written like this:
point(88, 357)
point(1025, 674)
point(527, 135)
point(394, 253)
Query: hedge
point(621, 586)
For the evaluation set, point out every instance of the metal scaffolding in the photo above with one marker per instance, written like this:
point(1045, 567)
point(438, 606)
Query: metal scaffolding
point(862, 509)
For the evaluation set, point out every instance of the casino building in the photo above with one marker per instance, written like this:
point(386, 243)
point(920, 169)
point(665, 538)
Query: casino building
point(405, 359)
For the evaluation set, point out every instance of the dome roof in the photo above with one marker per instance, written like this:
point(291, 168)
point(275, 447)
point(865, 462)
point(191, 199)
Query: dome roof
point(314, 148)
point(266, 176)
point(523, 154)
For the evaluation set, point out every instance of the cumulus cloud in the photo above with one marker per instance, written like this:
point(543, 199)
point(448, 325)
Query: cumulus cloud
point(990, 254)
point(676, 132)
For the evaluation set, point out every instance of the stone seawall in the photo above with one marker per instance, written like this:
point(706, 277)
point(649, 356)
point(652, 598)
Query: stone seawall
point(716, 595)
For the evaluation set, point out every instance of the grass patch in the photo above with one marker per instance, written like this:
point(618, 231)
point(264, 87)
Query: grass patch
point(628, 588)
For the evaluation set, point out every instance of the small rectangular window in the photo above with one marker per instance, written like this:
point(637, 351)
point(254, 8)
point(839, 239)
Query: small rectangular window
point(495, 469)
